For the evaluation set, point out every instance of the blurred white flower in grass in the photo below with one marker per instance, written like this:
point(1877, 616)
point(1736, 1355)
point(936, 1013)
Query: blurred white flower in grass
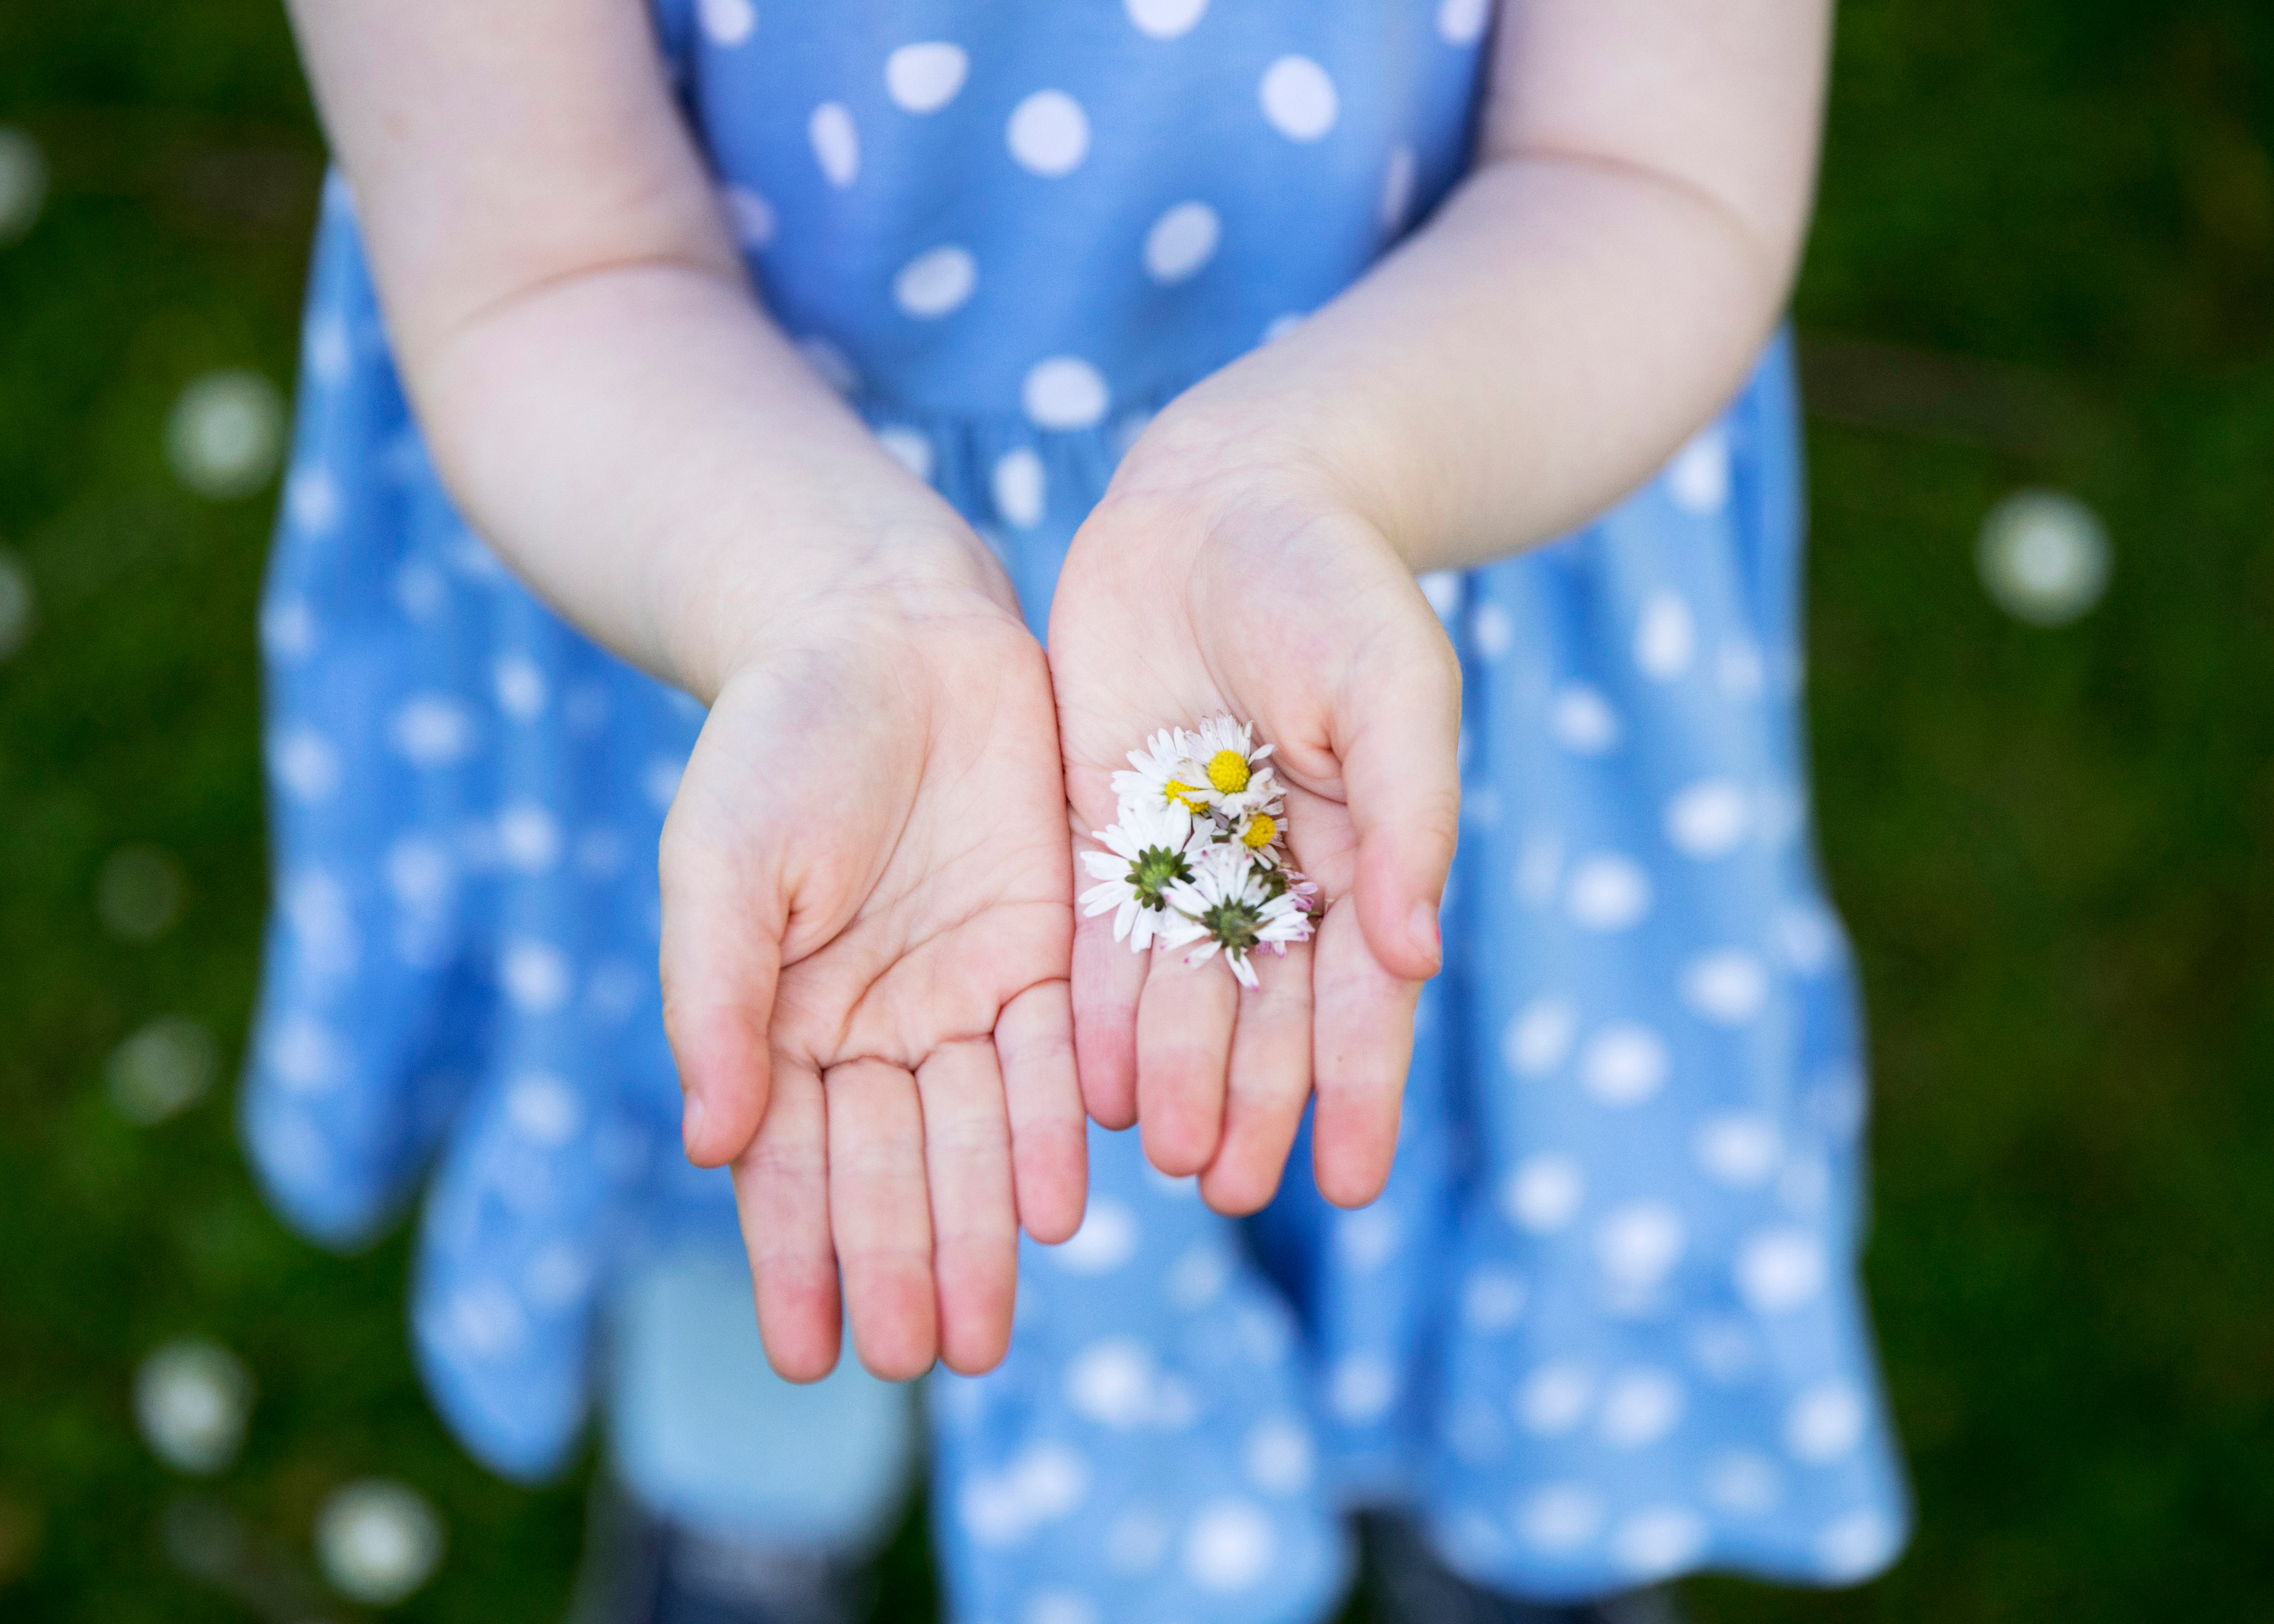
point(226, 433)
point(2044, 557)
point(139, 893)
point(162, 1070)
point(191, 1400)
point(378, 1540)
point(17, 603)
point(23, 183)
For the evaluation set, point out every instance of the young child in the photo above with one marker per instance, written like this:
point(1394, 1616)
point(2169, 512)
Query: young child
point(803, 358)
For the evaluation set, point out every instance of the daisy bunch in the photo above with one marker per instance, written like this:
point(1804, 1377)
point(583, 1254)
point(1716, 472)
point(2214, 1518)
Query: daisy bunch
point(1197, 855)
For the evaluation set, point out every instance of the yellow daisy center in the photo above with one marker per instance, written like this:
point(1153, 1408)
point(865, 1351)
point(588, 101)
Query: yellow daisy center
point(1227, 769)
point(1181, 795)
point(1259, 831)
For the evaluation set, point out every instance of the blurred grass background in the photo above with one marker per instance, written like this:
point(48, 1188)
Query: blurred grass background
point(2045, 256)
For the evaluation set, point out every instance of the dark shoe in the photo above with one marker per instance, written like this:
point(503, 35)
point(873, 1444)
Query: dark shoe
point(638, 1568)
point(1409, 1584)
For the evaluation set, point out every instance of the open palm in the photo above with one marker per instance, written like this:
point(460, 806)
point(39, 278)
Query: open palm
point(1264, 600)
point(867, 908)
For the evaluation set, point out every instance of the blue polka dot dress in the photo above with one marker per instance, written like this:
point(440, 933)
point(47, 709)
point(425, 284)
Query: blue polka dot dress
point(1603, 1328)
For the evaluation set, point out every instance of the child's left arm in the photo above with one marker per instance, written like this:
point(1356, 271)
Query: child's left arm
point(1583, 302)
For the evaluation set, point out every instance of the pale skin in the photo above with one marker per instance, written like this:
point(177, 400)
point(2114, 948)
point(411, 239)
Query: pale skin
point(886, 1019)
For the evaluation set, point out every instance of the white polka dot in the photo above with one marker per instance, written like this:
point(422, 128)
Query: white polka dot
point(1728, 988)
point(1165, 19)
point(1198, 1277)
point(1056, 1607)
point(1299, 99)
point(909, 448)
point(1539, 1036)
point(1228, 1545)
point(1809, 936)
point(1637, 1245)
point(1779, 1270)
point(1398, 182)
point(1181, 241)
point(305, 1055)
point(1042, 1485)
point(1444, 588)
point(1492, 631)
point(419, 873)
point(1744, 1483)
point(431, 730)
point(557, 1276)
point(1582, 721)
point(1824, 1422)
point(1624, 1063)
point(727, 22)
point(1111, 1382)
point(1737, 1151)
point(1279, 326)
point(830, 364)
point(327, 348)
point(1543, 1193)
point(1493, 1299)
point(1019, 488)
point(529, 838)
point(1658, 1541)
point(1697, 479)
point(923, 79)
point(1554, 1399)
point(287, 628)
point(1708, 819)
point(306, 764)
point(1560, 1517)
point(1065, 393)
point(543, 1109)
point(1107, 1239)
point(521, 687)
point(311, 500)
point(1640, 1408)
point(1367, 1238)
point(659, 781)
point(1048, 133)
point(535, 976)
point(1665, 639)
point(1462, 22)
point(1361, 1387)
point(1279, 1457)
point(1725, 1348)
point(1856, 1546)
point(936, 282)
point(836, 143)
point(1538, 869)
point(1607, 891)
point(751, 216)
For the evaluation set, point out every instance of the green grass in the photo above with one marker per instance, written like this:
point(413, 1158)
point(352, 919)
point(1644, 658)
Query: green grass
point(2056, 848)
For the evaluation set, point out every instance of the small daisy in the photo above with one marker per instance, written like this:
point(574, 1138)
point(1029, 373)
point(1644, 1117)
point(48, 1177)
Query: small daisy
point(1164, 775)
point(1147, 851)
point(1233, 779)
point(1228, 904)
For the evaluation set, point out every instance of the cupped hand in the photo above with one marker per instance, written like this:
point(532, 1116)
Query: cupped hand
point(867, 910)
point(1217, 575)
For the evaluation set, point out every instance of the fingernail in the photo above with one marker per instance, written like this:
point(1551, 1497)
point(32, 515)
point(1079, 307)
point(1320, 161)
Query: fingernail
point(690, 1126)
point(1423, 928)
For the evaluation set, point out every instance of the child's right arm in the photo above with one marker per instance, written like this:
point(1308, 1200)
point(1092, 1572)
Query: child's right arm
point(865, 874)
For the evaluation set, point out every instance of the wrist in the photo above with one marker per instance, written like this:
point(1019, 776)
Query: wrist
point(879, 591)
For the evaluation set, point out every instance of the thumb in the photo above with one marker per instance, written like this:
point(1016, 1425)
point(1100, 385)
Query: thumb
point(720, 960)
point(1398, 734)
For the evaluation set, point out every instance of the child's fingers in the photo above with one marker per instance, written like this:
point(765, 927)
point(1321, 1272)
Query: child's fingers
point(1268, 1085)
point(1184, 1034)
point(1398, 742)
point(975, 1223)
point(1050, 1136)
point(880, 1215)
point(1364, 1034)
point(720, 959)
point(781, 1192)
point(1108, 979)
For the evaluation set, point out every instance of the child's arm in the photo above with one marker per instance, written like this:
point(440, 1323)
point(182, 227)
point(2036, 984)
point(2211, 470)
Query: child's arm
point(1584, 301)
point(1596, 289)
point(865, 872)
